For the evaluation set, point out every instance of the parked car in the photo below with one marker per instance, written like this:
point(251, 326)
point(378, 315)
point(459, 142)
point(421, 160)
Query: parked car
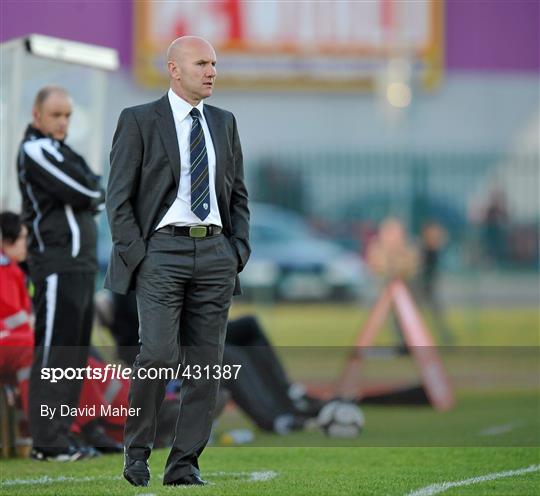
point(290, 262)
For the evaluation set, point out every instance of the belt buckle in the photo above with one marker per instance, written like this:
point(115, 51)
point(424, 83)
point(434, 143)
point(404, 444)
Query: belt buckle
point(197, 231)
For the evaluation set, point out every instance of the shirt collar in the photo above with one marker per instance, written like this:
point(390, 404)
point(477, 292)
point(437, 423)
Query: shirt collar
point(4, 260)
point(181, 108)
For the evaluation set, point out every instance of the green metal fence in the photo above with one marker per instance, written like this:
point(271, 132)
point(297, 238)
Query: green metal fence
point(350, 191)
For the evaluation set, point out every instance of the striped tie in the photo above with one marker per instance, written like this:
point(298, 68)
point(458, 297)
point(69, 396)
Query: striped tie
point(200, 186)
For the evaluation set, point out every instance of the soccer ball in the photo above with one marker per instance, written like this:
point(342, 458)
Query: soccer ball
point(342, 419)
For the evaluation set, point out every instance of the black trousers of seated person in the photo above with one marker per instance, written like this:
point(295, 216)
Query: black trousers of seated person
point(261, 387)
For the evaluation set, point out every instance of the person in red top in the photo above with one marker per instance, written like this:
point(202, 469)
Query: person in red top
point(16, 334)
point(17, 343)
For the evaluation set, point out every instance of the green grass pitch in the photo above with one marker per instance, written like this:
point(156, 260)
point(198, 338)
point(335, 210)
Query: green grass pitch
point(487, 445)
point(293, 471)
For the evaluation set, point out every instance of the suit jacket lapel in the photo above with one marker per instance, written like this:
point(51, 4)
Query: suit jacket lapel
point(215, 126)
point(167, 131)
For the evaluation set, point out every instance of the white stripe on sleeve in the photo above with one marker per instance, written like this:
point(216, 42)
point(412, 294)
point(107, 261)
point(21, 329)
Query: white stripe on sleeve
point(50, 297)
point(17, 319)
point(34, 149)
point(75, 231)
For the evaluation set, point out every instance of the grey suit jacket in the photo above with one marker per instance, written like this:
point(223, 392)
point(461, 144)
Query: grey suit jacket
point(143, 183)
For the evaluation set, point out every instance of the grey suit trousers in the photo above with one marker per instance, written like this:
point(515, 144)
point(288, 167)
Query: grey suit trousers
point(184, 288)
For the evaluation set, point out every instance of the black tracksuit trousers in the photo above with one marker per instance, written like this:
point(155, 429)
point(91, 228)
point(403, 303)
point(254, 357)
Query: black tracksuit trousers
point(64, 308)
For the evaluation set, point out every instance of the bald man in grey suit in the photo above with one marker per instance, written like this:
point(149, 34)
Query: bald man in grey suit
point(178, 211)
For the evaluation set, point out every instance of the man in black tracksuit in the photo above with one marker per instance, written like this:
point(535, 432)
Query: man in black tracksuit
point(61, 195)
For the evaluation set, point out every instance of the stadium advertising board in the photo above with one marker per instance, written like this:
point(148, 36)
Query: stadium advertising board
point(332, 45)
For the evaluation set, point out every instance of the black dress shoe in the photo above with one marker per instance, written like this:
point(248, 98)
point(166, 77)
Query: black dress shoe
point(188, 480)
point(136, 472)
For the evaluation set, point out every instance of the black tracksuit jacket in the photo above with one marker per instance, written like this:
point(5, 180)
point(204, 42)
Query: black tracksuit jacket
point(61, 195)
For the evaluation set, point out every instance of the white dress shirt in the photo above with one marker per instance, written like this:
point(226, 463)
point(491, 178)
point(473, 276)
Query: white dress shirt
point(180, 214)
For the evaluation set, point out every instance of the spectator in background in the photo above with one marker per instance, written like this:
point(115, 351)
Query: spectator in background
point(389, 254)
point(17, 341)
point(494, 227)
point(60, 195)
point(433, 239)
point(263, 390)
point(16, 334)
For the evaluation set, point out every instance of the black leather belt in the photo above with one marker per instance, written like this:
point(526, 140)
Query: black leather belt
point(191, 231)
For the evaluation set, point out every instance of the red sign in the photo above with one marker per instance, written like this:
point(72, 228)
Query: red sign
point(417, 338)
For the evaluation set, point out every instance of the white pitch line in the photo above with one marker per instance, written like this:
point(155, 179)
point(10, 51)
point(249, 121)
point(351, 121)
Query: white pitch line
point(246, 477)
point(50, 480)
point(262, 476)
point(444, 486)
point(250, 476)
point(497, 430)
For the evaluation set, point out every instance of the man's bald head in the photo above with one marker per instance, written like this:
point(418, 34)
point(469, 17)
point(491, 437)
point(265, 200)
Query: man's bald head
point(46, 92)
point(52, 111)
point(183, 45)
point(191, 62)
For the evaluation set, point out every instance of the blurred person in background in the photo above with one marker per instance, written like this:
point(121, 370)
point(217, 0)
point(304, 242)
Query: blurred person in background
point(16, 333)
point(495, 224)
point(263, 390)
point(433, 240)
point(60, 195)
point(17, 342)
point(391, 256)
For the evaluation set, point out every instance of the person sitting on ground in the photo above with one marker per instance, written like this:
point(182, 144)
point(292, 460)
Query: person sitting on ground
point(262, 389)
point(16, 333)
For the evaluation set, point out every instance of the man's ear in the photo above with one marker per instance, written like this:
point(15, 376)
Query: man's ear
point(36, 114)
point(173, 69)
